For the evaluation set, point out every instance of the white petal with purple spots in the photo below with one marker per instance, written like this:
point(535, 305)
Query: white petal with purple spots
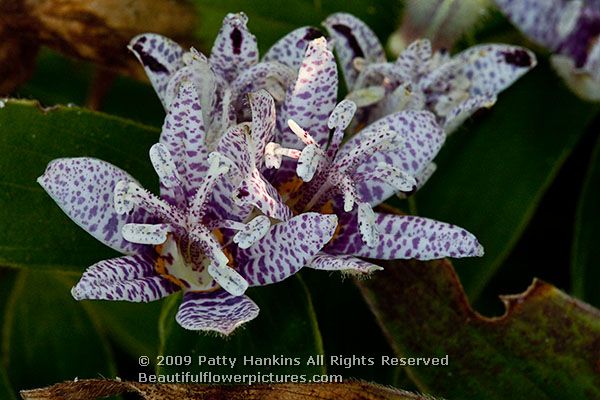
point(217, 311)
point(344, 264)
point(290, 49)
point(83, 189)
point(287, 248)
point(129, 278)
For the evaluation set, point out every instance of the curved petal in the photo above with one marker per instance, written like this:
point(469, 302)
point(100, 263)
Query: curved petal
point(216, 311)
point(290, 49)
point(276, 78)
point(184, 135)
point(342, 263)
point(288, 246)
point(84, 189)
point(263, 123)
point(418, 138)
point(491, 68)
point(161, 58)
point(312, 99)
point(129, 278)
point(234, 49)
point(256, 190)
point(405, 237)
point(353, 38)
point(538, 19)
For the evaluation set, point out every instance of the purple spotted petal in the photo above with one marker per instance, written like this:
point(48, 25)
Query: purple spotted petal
point(234, 144)
point(83, 189)
point(538, 19)
point(312, 99)
point(263, 123)
point(420, 140)
point(290, 49)
point(343, 263)
point(353, 38)
point(216, 311)
point(491, 68)
point(405, 237)
point(234, 49)
point(161, 58)
point(287, 247)
point(272, 76)
point(183, 134)
point(256, 190)
point(129, 278)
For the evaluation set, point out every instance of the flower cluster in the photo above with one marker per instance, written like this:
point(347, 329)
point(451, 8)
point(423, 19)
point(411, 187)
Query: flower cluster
point(568, 28)
point(256, 181)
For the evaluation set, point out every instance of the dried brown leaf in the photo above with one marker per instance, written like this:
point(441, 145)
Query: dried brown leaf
point(97, 388)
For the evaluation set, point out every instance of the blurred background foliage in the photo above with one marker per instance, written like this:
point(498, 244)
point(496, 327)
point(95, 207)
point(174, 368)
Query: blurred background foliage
point(523, 176)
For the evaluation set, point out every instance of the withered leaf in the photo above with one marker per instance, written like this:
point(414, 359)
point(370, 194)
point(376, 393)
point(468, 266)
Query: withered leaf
point(96, 388)
point(546, 345)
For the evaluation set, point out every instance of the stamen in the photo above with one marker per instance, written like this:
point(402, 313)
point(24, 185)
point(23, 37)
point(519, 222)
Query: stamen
point(342, 115)
point(366, 225)
point(301, 133)
point(145, 233)
point(309, 161)
point(369, 145)
point(127, 195)
point(229, 279)
point(346, 186)
point(274, 154)
point(164, 166)
point(252, 232)
point(219, 165)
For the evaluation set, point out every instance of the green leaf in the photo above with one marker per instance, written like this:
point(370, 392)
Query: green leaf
point(5, 389)
point(586, 253)
point(544, 347)
point(286, 327)
point(269, 21)
point(35, 231)
point(47, 336)
point(133, 326)
point(492, 176)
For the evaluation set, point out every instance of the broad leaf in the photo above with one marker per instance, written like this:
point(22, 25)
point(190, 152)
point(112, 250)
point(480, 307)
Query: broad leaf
point(47, 336)
point(285, 327)
point(544, 347)
point(586, 253)
point(35, 231)
point(5, 389)
point(491, 176)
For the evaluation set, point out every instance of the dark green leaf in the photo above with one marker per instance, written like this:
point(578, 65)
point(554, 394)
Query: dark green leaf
point(586, 252)
point(5, 389)
point(35, 232)
point(544, 347)
point(491, 177)
point(285, 327)
point(48, 336)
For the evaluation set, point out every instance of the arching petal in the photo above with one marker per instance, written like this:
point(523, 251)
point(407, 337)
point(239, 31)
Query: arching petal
point(405, 237)
point(129, 278)
point(234, 49)
point(84, 189)
point(288, 246)
point(290, 49)
point(161, 58)
point(312, 99)
point(216, 311)
point(184, 135)
point(419, 140)
point(538, 19)
point(353, 38)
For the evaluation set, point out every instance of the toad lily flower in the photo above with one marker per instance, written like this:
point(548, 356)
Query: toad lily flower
point(192, 238)
point(570, 29)
point(224, 78)
point(450, 87)
point(347, 180)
